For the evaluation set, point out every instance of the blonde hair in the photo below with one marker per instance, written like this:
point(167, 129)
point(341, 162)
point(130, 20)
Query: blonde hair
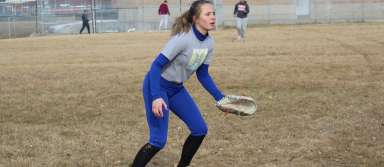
point(184, 22)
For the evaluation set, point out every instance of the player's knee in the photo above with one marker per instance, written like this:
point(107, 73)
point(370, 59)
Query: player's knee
point(158, 140)
point(159, 143)
point(200, 131)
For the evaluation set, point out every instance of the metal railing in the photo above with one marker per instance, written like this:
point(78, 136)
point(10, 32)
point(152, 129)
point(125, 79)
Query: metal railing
point(39, 18)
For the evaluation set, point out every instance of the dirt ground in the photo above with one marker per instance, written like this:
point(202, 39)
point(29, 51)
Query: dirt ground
point(76, 100)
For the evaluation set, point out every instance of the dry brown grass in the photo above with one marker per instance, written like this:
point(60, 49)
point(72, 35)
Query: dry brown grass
point(76, 100)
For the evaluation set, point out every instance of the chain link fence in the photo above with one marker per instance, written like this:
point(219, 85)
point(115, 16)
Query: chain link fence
point(21, 18)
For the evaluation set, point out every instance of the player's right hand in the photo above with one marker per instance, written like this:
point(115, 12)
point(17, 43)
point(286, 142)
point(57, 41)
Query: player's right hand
point(157, 107)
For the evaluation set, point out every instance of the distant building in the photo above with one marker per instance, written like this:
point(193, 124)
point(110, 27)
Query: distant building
point(17, 8)
point(60, 7)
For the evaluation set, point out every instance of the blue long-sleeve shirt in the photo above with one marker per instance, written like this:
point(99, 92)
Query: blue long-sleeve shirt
point(183, 55)
point(202, 74)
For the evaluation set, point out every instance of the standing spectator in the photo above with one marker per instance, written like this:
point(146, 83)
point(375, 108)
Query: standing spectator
point(85, 19)
point(164, 13)
point(241, 12)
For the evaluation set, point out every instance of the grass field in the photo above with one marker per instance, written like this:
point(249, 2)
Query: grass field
point(76, 100)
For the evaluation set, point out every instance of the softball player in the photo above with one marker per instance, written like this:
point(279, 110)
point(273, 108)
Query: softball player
point(189, 50)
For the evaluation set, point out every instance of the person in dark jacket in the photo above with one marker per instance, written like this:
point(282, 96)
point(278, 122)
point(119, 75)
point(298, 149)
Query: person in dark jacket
point(84, 18)
point(241, 12)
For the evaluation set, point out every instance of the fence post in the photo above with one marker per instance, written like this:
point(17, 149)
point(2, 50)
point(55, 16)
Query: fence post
point(269, 12)
point(9, 27)
point(36, 9)
point(14, 27)
point(362, 11)
point(180, 7)
point(215, 3)
point(93, 9)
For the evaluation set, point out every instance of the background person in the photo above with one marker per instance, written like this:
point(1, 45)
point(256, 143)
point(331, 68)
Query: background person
point(164, 14)
point(84, 18)
point(241, 12)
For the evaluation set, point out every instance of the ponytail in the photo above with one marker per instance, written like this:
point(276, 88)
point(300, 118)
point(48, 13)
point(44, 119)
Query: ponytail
point(184, 22)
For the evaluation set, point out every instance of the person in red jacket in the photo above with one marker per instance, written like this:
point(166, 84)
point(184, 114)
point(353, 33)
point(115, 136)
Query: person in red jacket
point(164, 13)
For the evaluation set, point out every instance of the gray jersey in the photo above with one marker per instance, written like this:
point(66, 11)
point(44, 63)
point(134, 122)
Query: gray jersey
point(186, 53)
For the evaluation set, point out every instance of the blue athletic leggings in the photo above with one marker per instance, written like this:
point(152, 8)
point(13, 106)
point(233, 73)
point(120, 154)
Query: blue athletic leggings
point(180, 103)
